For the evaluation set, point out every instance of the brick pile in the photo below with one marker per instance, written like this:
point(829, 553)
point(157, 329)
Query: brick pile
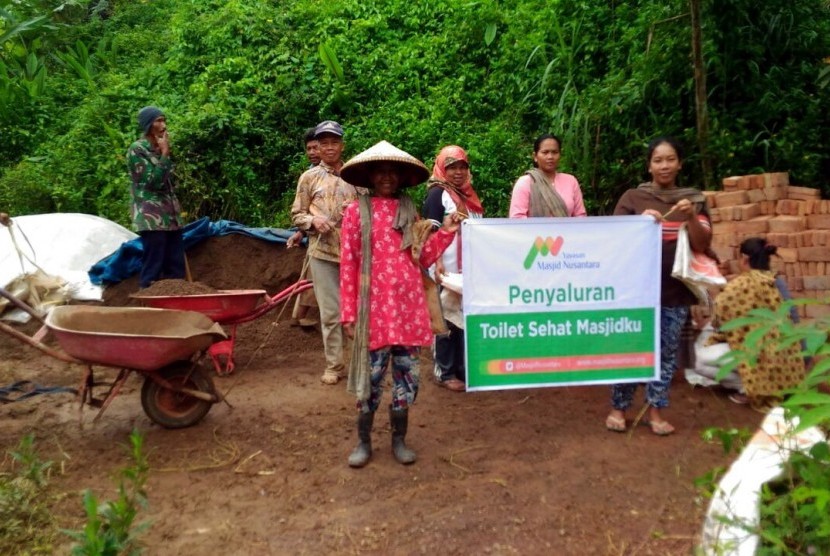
point(795, 219)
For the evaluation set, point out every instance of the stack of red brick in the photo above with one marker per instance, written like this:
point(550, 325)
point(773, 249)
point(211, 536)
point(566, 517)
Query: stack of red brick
point(794, 219)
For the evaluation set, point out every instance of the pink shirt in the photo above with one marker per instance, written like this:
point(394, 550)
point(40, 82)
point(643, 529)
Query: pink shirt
point(565, 184)
point(398, 313)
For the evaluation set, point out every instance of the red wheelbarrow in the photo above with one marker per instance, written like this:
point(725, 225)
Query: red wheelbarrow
point(227, 307)
point(162, 345)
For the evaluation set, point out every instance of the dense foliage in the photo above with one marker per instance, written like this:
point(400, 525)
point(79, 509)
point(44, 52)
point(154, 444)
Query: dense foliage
point(240, 81)
point(793, 506)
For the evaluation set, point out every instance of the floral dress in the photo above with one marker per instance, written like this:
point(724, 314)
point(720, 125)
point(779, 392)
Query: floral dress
point(398, 313)
point(774, 370)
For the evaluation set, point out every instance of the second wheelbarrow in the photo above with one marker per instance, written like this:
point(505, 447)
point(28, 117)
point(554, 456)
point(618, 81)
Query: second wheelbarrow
point(227, 307)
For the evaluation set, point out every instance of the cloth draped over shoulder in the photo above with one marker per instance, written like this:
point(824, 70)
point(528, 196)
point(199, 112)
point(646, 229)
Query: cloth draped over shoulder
point(672, 196)
point(360, 374)
point(675, 194)
point(464, 196)
point(544, 199)
point(359, 380)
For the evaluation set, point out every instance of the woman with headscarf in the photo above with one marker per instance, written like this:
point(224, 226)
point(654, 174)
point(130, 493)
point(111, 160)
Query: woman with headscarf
point(450, 190)
point(544, 190)
point(383, 304)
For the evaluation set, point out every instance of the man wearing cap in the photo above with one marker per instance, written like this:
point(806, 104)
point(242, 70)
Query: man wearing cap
point(154, 207)
point(318, 210)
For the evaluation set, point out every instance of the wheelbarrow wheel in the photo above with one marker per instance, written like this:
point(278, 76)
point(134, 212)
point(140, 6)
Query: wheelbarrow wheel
point(175, 410)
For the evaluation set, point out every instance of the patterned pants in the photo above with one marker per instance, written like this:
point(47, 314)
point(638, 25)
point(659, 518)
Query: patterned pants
point(406, 375)
point(657, 391)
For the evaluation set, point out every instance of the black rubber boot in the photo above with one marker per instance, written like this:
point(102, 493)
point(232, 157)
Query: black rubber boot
point(399, 419)
point(363, 451)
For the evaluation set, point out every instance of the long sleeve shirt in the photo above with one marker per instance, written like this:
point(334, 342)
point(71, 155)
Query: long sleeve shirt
point(153, 205)
point(321, 192)
point(398, 313)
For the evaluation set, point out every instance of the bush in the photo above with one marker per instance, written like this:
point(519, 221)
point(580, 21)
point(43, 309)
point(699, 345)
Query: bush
point(794, 508)
point(241, 80)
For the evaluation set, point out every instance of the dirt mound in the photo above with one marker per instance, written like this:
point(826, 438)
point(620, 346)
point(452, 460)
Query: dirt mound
point(239, 262)
point(175, 287)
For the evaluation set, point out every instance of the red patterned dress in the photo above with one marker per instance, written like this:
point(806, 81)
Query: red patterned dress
point(398, 314)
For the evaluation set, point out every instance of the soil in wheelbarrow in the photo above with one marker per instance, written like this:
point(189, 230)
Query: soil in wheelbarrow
point(513, 472)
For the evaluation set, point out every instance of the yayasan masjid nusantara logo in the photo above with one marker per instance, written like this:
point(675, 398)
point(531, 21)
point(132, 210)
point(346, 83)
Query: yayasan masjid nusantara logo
point(543, 247)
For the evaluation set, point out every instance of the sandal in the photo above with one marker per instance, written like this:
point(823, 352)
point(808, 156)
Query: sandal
point(660, 428)
point(738, 398)
point(453, 384)
point(615, 424)
point(330, 378)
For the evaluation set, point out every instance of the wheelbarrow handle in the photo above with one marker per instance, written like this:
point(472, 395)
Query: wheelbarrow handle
point(37, 345)
point(271, 302)
point(296, 287)
point(21, 305)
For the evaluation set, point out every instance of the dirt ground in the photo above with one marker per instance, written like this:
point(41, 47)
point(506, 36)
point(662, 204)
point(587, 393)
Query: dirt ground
point(512, 472)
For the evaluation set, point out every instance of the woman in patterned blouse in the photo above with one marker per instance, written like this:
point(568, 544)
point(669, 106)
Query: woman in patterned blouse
point(755, 288)
point(382, 300)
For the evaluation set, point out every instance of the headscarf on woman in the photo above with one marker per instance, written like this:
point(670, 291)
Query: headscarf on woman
point(465, 196)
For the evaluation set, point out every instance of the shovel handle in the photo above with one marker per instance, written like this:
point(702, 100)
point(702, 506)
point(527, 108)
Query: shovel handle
point(21, 305)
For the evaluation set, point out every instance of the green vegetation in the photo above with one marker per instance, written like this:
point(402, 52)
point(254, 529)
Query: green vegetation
point(110, 529)
point(27, 523)
point(241, 80)
point(794, 507)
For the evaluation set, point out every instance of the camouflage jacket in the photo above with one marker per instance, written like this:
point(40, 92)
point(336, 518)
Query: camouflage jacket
point(154, 205)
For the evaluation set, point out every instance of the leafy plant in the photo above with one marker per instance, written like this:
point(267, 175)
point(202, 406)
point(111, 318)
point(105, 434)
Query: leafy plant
point(27, 522)
point(110, 529)
point(795, 508)
point(240, 81)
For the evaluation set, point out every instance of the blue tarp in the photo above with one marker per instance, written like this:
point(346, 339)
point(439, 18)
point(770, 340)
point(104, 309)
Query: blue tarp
point(127, 260)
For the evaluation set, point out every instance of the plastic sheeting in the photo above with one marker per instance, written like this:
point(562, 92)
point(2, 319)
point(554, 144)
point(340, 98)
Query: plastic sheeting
point(88, 251)
point(126, 261)
point(63, 245)
point(734, 510)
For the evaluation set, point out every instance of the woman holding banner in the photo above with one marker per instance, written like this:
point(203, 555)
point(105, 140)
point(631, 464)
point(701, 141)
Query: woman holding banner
point(672, 206)
point(450, 190)
point(544, 191)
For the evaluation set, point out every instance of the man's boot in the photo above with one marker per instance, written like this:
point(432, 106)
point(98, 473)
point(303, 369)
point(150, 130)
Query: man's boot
point(399, 418)
point(361, 454)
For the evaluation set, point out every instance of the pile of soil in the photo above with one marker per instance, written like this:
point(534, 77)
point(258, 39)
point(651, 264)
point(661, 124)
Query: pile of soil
point(530, 471)
point(239, 262)
point(175, 288)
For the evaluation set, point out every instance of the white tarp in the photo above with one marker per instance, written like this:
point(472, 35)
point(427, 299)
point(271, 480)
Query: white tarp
point(734, 511)
point(62, 244)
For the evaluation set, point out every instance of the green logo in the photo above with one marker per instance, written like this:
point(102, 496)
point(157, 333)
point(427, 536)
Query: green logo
point(543, 247)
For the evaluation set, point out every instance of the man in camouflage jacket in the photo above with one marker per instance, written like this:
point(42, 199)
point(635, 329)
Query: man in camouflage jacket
point(154, 207)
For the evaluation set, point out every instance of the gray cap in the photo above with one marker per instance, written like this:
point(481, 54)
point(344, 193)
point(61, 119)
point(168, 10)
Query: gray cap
point(328, 126)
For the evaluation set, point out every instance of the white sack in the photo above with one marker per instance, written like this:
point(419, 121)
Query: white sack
point(62, 244)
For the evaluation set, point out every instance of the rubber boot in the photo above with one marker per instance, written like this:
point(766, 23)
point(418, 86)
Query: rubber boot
point(399, 419)
point(363, 451)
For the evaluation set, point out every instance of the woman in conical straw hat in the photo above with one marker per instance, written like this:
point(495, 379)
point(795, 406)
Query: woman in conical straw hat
point(382, 300)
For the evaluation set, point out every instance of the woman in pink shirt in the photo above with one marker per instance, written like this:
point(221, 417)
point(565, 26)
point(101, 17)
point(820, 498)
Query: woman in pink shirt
point(382, 301)
point(542, 190)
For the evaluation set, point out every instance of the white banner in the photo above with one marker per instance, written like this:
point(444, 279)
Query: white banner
point(561, 300)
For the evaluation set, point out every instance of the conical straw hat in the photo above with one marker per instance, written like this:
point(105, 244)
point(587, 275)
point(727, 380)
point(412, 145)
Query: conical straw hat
point(356, 170)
